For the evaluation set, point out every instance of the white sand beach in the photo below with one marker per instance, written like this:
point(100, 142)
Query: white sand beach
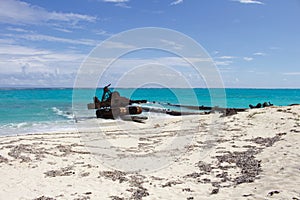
point(250, 155)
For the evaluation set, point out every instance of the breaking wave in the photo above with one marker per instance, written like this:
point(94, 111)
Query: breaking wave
point(65, 114)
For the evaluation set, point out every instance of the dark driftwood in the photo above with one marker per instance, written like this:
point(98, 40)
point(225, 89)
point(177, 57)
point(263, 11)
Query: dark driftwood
point(225, 111)
point(207, 108)
point(294, 104)
point(102, 113)
point(259, 105)
point(167, 111)
point(137, 101)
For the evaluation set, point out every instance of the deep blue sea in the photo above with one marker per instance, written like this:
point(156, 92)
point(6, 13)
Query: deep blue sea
point(25, 111)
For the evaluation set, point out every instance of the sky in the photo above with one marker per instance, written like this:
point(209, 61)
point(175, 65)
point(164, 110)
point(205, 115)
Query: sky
point(253, 43)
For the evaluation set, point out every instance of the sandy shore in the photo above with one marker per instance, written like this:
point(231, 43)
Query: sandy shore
point(251, 155)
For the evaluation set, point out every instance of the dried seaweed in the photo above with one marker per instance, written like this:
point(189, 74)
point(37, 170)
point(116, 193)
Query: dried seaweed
point(139, 193)
point(66, 171)
point(250, 167)
point(114, 175)
point(3, 160)
point(44, 198)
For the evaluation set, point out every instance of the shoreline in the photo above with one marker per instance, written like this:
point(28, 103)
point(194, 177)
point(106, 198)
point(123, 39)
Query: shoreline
point(251, 155)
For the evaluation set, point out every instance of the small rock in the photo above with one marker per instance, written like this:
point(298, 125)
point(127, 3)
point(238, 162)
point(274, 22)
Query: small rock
point(187, 190)
point(273, 192)
point(215, 191)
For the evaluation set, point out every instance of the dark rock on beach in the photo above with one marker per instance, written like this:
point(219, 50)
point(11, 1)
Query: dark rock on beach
point(259, 105)
point(215, 191)
point(273, 192)
point(229, 112)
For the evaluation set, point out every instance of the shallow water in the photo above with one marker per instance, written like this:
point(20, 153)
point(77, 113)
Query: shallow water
point(49, 110)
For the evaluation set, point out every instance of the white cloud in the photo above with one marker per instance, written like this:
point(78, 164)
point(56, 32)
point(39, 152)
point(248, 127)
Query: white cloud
point(19, 12)
point(274, 48)
point(43, 65)
point(224, 60)
point(248, 58)
point(69, 17)
point(63, 30)
point(292, 73)
point(259, 54)
point(151, 69)
point(20, 30)
point(41, 79)
point(48, 38)
point(119, 3)
point(117, 45)
point(116, 1)
point(223, 63)
point(102, 32)
point(17, 50)
point(215, 52)
point(172, 44)
point(6, 41)
point(226, 57)
point(250, 2)
point(176, 2)
point(14, 57)
point(122, 5)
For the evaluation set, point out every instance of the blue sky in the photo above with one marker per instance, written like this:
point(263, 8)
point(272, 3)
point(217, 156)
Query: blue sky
point(253, 43)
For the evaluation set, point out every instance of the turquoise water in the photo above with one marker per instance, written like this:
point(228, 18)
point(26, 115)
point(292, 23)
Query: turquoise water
point(40, 110)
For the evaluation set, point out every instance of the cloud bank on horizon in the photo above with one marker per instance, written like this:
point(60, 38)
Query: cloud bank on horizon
point(253, 43)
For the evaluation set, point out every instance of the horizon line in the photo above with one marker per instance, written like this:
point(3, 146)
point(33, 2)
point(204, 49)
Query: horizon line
point(57, 87)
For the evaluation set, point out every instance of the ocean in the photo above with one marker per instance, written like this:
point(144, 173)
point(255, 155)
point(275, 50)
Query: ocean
point(25, 111)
